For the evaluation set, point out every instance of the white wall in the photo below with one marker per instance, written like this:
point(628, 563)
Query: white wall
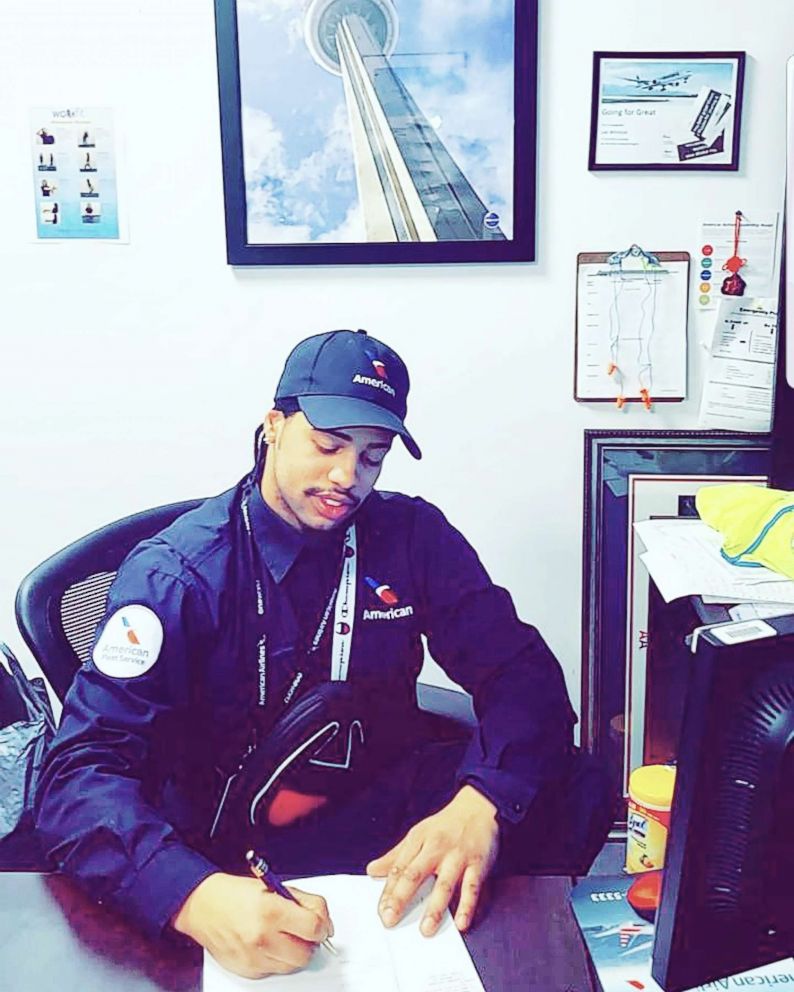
point(134, 375)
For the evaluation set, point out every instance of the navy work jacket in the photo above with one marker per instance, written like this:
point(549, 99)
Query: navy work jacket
point(186, 609)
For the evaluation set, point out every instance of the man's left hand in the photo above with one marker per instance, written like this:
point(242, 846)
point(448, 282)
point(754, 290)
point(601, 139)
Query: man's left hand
point(458, 845)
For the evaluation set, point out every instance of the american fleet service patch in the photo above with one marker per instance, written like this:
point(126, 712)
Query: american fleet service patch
point(130, 643)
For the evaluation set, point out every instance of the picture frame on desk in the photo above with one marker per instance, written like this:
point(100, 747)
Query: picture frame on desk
point(674, 111)
point(630, 476)
point(377, 132)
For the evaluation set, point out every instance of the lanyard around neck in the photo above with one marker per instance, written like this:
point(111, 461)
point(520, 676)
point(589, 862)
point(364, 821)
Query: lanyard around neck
point(345, 612)
point(342, 598)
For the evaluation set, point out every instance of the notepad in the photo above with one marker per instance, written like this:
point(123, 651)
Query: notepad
point(398, 959)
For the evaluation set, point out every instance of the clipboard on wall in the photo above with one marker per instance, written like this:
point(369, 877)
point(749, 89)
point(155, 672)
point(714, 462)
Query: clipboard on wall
point(631, 326)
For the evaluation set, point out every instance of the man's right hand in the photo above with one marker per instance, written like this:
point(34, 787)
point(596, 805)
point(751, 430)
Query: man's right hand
point(250, 931)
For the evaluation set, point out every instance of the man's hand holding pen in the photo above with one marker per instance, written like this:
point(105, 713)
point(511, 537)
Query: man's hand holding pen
point(251, 931)
point(254, 932)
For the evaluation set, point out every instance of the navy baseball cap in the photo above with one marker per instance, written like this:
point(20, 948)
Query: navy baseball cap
point(348, 379)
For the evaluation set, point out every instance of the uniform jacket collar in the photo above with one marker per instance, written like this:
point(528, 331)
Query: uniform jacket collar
point(280, 544)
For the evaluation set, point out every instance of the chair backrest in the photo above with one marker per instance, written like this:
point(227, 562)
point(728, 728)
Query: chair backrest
point(60, 603)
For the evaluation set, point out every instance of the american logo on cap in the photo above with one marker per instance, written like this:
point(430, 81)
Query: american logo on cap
point(377, 364)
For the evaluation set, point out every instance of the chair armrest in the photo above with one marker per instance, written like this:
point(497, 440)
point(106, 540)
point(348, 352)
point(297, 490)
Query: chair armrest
point(453, 705)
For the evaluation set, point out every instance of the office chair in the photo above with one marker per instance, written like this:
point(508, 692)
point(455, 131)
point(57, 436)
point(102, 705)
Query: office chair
point(61, 602)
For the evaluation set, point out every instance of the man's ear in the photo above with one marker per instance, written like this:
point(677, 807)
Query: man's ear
point(272, 425)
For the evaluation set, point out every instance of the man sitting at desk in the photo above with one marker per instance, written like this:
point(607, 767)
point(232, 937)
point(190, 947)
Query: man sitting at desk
point(300, 583)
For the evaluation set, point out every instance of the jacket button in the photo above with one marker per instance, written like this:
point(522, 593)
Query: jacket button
point(517, 807)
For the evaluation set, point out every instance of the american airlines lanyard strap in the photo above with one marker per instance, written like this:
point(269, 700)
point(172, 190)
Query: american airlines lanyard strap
point(342, 600)
point(343, 595)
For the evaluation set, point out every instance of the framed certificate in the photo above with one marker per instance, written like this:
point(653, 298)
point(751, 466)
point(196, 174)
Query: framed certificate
point(666, 110)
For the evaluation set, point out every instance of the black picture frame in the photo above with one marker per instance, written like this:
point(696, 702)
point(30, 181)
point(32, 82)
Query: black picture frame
point(658, 95)
point(489, 244)
point(612, 461)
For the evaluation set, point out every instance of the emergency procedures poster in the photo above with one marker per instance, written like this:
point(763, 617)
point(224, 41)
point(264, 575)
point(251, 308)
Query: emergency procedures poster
point(75, 173)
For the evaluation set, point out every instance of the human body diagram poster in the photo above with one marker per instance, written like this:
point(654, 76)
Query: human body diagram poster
point(631, 327)
point(75, 174)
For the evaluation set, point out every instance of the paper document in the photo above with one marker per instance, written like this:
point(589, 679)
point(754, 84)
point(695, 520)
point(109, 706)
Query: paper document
point(370, 957)
point(758, 246)
point(759, 611)
point(740, 376)
point(631, 327)
point(684, 559)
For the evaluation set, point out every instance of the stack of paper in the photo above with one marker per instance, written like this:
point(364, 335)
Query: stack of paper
point(759, 611)
point(683, 558)
point(370, 957)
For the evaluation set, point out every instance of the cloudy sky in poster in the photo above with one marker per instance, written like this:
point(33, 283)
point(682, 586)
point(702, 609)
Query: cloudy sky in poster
point(456, 56)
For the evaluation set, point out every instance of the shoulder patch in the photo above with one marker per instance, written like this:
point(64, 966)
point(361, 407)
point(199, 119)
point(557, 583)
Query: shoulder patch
point(130, 643)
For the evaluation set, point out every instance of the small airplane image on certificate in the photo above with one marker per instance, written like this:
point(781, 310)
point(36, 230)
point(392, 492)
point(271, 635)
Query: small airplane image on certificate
point(665, 82)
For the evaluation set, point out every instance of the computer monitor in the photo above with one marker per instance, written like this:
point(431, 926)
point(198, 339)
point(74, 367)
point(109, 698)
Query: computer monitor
point(789, 279)
point(783, 424)
point(727, 901)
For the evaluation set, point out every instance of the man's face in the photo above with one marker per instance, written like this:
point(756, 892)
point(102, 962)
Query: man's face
point(315, 480)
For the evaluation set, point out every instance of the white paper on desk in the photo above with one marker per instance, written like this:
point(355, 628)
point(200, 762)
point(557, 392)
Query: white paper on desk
point(370, 956)
point(740, 375)
point(684, 559)
point(759, 611)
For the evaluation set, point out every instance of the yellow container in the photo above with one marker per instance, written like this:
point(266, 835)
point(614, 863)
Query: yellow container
point(650, 799)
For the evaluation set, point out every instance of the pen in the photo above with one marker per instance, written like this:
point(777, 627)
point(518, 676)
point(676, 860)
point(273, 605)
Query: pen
point(262, 870)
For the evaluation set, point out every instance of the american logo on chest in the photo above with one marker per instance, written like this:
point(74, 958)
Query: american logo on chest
point(389, 598)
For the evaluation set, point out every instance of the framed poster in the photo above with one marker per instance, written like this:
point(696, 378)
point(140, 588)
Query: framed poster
point(632, 476)
point(666, 110)
point(366, 131)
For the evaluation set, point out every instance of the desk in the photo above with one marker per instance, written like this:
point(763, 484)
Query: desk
point(527, 939)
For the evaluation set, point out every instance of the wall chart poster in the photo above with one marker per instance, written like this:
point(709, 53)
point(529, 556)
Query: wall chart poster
point(75, 174)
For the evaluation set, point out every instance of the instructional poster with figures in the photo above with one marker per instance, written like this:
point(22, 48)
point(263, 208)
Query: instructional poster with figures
point(631, 326)
point(75, 174)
